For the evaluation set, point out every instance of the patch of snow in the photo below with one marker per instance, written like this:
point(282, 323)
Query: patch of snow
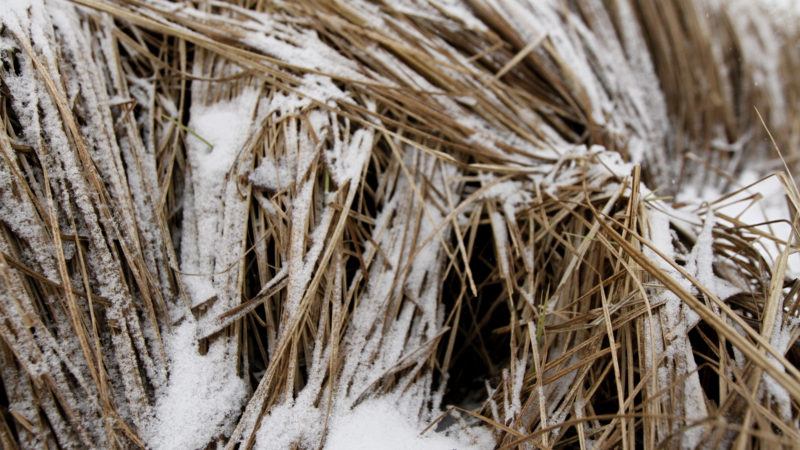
point(17, 7)
point(377, 423)
point(224, 125)
point(612, 161)
point(345, 162)
point(202, 396)
point(304, 49)
point(784, 12)
point(273, 175)
point(288, 423)
point(701, 259)
point(512, 194)
point(771, 205)
point(780, 340)
point(696, 193)
point(677, 319)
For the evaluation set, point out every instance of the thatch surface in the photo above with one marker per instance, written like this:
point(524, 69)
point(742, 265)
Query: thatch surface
point(230, 223)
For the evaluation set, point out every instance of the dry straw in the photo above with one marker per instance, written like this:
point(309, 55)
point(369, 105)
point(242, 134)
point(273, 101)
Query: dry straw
point(466, 209)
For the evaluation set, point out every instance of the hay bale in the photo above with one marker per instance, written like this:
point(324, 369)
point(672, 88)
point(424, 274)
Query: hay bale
point(276, 224)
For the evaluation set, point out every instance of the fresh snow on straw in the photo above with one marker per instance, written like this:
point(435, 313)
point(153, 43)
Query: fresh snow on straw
point(677, 319)
point(203, 394)
point(377, 424)
point(761, 207)
point(781, 339)
point(225, 126)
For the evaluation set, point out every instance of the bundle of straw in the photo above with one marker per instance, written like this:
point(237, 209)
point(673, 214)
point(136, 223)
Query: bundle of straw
point(520, 224)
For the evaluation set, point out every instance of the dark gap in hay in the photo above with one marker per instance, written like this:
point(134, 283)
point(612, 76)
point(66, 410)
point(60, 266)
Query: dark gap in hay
point(366, 204)
point(255, 333)
point(365, 198)
point(179, 189)
point(125, 270)
point(69, 377)
point(793, 355)
point(605, 400)
point(578, 128)
point(7, 98)
point(44, 299)
point(700, 337)
point(737, 77)
point(257, 359)
point(173, 209)
point(569, 439)
point(479, 353)
point(639, 438)
point(11, 60)
point(252, 282)
point(4, 404)
point(146, 379)
point(187, 102)
point(4, 409)
point(79, 112)
point(661, 179)
point(352, 264)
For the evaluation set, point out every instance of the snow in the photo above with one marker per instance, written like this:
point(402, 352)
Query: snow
point(346, 164)
point(273, 175)
point(302, 48)
point(764, 201)
point(287, 424)
point(224, 125)
point(784, 11)
point(375, 423)
point(700, 260)
point(612, 161)
point(780, 340)
point(511, 193)
point(17, 7)
point(677, 319)
point(517, 378)
point(458, 10)
point(378, 424)
point(202, 396)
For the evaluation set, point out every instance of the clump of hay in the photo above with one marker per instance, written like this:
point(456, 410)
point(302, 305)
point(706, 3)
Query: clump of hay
point(232, 223)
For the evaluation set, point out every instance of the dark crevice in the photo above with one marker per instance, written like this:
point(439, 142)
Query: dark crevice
point(481, 349)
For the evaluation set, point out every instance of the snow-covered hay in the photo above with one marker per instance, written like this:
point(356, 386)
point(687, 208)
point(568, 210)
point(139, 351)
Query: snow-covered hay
point(422, 223)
